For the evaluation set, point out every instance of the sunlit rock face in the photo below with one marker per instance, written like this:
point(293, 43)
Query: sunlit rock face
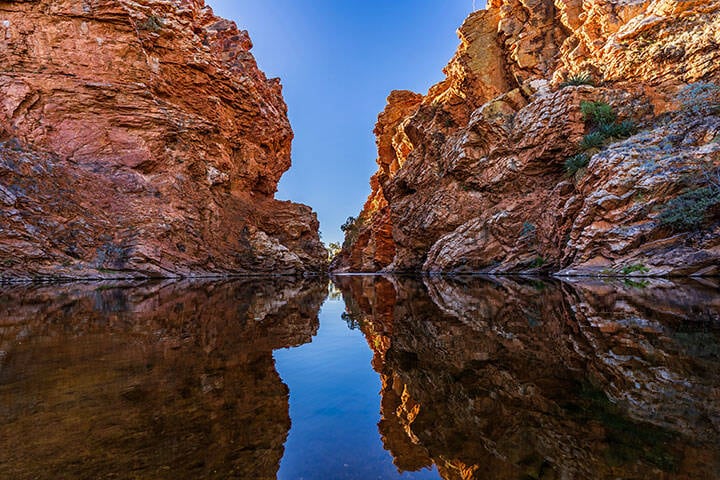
point(140, 138)
point(161, 381)
point(534, 379)
point(472, 175)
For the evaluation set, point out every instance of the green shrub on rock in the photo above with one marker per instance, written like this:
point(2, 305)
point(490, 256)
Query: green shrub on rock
point(592, 140)
point(576, 163)
point(598, 113)
point(351, 228)
point(636, 268)
point(690, 210)
point(577, 80)
point(603, 128)
point(624, 129)
point(538, 262)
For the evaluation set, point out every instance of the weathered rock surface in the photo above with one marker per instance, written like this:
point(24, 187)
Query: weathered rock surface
point(505, 380)
point(151, 380)
point(141, 139)
point(471, 176)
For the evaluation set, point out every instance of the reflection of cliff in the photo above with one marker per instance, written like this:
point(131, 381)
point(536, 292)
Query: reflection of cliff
point(161, 381)
point(508, 380)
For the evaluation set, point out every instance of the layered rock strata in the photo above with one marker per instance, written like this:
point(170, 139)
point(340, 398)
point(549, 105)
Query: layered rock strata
point(141, 139)
point(531, 379)
point(473, 177)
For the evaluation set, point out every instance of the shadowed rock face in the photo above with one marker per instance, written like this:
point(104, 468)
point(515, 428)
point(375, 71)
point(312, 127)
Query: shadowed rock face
point(540, 379)
point(157, 381)
point(471, 176)
point(141, 139)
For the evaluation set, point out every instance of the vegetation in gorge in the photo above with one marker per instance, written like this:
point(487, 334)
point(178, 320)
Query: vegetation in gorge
point(636, 268)
point(701, 202)
point(575, 163)
point(333, 248)
point(690, 210)
point(598, 113)
point(593, 140)
point(351, 228)
point(563, 159)
point(604, 128)
point(620, 130)
point(578, 80)
point(538, 262)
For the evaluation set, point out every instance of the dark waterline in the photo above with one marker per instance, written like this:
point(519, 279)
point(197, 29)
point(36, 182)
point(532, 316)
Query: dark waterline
point(392, 377)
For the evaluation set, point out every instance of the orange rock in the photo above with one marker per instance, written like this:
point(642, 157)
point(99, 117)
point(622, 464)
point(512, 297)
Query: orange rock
point(473, 177)
point(143, 141)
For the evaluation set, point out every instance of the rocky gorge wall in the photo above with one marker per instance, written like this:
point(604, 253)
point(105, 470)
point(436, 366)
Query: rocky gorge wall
point(141, 139)
point(505, 167)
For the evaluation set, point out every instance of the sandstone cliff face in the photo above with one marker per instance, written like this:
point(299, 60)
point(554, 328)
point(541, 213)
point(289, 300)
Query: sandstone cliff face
point(141, 139)
point(528, 379)
point(472, 176)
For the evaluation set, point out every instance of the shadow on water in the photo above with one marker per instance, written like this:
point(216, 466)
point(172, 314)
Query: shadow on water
point(480, 378)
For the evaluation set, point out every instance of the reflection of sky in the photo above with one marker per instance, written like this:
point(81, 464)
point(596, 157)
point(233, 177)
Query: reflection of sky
point(335, 407)
point(338, 61)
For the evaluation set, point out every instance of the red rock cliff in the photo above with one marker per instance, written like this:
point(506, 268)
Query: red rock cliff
point(140, 138)
point(495, 168)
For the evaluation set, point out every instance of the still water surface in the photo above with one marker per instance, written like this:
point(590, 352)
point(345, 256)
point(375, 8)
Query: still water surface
point(372, 378)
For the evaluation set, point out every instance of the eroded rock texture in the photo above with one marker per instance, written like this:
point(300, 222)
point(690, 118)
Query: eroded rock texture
point(156, 380)
point(507, 380)
point(141, 139)
point(472, 175)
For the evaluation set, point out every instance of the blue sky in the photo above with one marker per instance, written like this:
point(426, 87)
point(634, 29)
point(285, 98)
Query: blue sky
point(338, 61)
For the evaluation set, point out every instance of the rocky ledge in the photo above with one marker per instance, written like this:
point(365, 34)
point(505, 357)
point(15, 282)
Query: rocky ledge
point(570, 136)
point(141, 139)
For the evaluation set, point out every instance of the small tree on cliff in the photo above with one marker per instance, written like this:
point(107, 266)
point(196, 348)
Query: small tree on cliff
point(351, 228)
point(348, 225)
point(333, 248)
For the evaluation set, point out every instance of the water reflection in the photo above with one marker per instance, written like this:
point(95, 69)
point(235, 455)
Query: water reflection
point(494, 378)
point(161, 380)
point(335, 407)
point(513, 379)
